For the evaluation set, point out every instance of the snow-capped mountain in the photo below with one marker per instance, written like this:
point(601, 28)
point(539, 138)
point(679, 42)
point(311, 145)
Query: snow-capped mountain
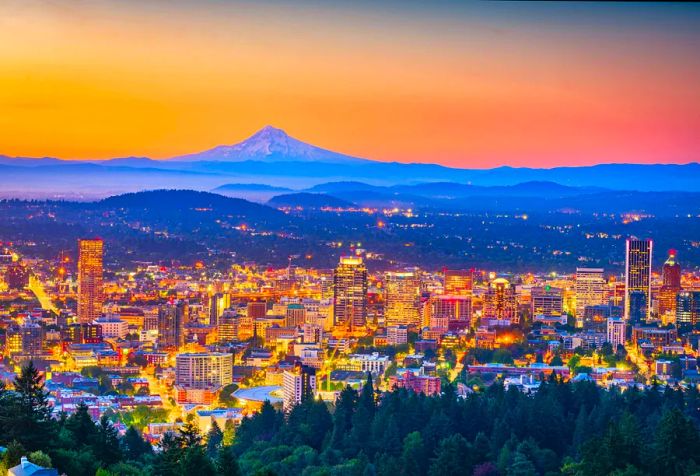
point(269, 144)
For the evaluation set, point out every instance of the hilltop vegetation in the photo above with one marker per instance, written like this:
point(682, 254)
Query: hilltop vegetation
point(575, 429)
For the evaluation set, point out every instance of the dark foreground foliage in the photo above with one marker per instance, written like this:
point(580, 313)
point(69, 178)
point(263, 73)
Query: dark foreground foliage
point(574, 429)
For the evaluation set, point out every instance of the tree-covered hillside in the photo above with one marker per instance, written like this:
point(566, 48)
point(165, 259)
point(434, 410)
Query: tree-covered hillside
point(565, 428)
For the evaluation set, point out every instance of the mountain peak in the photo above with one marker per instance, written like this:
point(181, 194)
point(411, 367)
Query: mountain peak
point(269, 144)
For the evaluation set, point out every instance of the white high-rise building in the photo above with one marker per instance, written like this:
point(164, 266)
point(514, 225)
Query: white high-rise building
point(297, 385)
point(616, 332)
point(204, 370)
point(590, 291)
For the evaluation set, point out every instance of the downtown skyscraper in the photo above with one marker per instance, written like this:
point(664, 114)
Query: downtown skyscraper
point(402, 300)
point(671, 284)
point(638, 258)
point(590, 291)
point(90, 287)
point(350, 293)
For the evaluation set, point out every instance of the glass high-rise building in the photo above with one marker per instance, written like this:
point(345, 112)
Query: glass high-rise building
point(402, 299)
point(638, 277)
point(500, 302)
point(688, 308)
point(670, 284)
point(171, 325)
point(590, 291)
point(458, 282)
point(350, 293)
point(90, 287)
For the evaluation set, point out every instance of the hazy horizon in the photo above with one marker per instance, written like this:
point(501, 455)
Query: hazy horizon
point(474, 85)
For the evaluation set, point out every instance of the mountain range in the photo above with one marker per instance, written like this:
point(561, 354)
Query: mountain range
point(286, 164)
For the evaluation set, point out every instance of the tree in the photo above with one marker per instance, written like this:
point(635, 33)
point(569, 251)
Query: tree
point(676, 443)
point(342, 418)
point(167, 460)
point(195, 461)
point(521, 466)
point(226, 463)
point(214, 438)
point(229, 432)
point(81, 427)
point(106, 445)
point(413, 456)
point(26, 416)
point(361, 421)
point(189, 435)
point(452, 457)
point(134, 445)
point(11, 457)
point(40, 458)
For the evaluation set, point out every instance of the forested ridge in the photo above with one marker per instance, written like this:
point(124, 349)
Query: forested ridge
point(565, 428)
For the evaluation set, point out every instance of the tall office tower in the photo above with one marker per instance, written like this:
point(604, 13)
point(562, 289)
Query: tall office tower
point(402, 299)
point(446, 310)
point(459, 282)
point(638, 278)
point(500, 302)
point(616, 332)
point(218, 303)
point(298, 384)
point(350, 293)
point(204, 370)
point(547, 301)
point(90, 290)
point(687, 308)
point(325, 281)
point(590, 291)
point(171, 325)
point(670, 284)
point(637, 307)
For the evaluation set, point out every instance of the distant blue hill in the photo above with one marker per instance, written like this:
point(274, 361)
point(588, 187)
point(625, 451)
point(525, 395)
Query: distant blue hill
point(272, 157)
point(309, 200)
point(252, 187)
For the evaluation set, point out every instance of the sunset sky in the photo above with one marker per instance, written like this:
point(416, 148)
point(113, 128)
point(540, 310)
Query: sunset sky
point(459, 83)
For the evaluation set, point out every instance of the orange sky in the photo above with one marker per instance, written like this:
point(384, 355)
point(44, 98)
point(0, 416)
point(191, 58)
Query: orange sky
point(474, 86)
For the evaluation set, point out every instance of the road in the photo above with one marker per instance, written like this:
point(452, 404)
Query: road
point(37, 287)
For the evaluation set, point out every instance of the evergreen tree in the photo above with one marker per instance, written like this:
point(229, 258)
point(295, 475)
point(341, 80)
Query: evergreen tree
point(81, 427)
point(676, 443)
point(134, 445)
point(214, 438)
point(189, 435)
point(226, 463)
point(167, 460)
point(521, 466)
point(413, 456)
point(26, 414)
point(361, 420)
point(452, 457)
point(342, 418)
point(229, 433)
point(195, 461)
point(106, 445)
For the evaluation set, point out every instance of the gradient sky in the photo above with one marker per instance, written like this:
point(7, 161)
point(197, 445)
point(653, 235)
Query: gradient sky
point(464, 84)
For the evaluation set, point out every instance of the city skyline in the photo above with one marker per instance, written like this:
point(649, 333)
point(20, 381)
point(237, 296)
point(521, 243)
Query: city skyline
point(466, 85)
point(325, 238)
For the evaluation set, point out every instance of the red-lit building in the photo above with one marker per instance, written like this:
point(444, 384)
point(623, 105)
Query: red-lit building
point(416, 383)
